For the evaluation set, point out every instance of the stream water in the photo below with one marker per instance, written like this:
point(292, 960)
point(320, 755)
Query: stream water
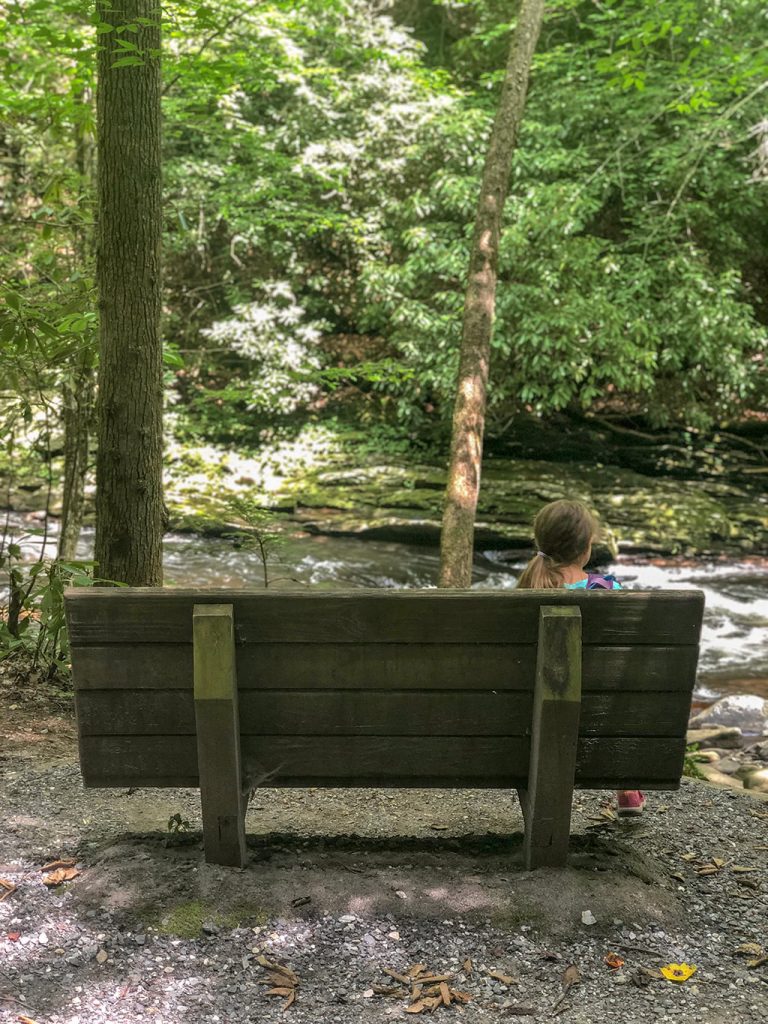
point(734, 648)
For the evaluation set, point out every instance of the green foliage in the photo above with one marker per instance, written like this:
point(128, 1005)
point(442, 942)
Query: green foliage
point(34, 626)
point(256, 534)
point(322, 161)
point(691, 764)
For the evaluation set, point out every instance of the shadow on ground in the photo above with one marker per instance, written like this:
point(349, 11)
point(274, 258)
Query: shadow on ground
point(472, 877)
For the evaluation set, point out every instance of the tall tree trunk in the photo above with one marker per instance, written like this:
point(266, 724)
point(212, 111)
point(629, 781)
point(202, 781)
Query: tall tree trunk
point(78, 392)
point(457, 537)
point(129, 503)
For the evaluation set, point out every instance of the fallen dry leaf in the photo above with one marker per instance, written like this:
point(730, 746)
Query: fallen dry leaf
point(739, 869)
point(461, 997)
point(60, 875)
point(750, 949)
point(9, 888)
point(285, 991)
point(64, 862)
point(467, 966)
point(415, 1008)
point(613, 960)
point(290, 1000)
point(439, 828)
point(570, 977)
point(652, 973)
point(445, 993)
point(25, 1020)
point(688, 856)
point(718, 862)
point(415, 970)
point(758, 962)
point(505, 979)
point(14, 936)
point(520, 1011)
point(433, 979)
point(396, 975)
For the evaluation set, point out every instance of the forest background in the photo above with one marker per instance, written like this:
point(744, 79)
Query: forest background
point(322, 160)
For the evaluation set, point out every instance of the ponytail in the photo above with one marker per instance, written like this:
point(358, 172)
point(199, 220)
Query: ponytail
point(541, 573)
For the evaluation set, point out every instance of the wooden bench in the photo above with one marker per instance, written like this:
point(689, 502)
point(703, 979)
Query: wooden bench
point(384, 688)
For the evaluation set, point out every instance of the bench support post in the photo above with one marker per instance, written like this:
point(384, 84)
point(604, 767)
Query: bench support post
point(218, 734)
point(554, 737)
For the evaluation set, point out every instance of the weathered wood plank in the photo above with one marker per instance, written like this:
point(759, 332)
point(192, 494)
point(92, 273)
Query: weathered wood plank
point(145, 615)
point(303, 666)
point(408, 761)
point(218, 735)
point(376, 713)
point(546, 799)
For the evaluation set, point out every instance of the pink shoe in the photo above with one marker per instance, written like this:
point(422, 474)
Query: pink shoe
point(631, 802)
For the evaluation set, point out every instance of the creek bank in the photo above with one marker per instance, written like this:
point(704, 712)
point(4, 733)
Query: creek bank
point(337, 484)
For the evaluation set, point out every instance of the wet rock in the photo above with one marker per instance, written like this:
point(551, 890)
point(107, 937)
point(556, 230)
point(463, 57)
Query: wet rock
point(759, 750)
point(744, 711)
point(727, 737)
point(757, 781)
point(711, 774)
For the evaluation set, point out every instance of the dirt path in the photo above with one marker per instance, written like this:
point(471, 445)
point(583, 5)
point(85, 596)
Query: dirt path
point(342, 884)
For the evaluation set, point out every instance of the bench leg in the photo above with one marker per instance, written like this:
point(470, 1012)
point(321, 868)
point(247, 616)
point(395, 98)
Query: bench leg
point(554, 737)
point(218, 735)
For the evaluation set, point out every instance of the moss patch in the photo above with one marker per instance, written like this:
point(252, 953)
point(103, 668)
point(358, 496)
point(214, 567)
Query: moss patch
point(186, 920)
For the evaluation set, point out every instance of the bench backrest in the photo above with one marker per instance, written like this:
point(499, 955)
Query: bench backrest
point(382, 688)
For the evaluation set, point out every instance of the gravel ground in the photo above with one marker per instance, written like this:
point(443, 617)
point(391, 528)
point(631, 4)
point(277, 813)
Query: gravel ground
point(342, 884)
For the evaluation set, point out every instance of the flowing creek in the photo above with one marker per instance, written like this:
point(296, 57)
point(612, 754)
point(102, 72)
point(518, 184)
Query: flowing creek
point(734, 649)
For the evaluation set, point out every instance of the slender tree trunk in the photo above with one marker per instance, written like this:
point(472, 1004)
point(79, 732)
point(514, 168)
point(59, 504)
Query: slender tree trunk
point(78, 392)
point(129, 503)
point(78, 413)
point(457, 538)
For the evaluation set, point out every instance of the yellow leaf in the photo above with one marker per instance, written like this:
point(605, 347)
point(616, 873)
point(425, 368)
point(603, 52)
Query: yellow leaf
point(678, 972)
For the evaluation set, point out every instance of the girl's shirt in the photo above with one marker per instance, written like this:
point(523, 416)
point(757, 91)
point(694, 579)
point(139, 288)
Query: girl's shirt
point(582, 584)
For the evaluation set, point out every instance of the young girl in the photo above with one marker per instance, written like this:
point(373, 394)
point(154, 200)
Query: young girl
point(564, 532)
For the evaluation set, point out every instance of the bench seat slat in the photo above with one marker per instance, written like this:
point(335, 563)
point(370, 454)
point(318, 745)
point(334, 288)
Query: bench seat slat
point(377, 713)
point(140, 616)
point(363, 666)
point(410, 761)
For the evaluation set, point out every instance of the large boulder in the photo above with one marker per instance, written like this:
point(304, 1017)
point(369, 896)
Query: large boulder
point(743, 710)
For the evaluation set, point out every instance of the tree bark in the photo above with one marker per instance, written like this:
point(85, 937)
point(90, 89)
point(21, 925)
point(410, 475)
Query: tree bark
point(129, 503)
point(457, 537)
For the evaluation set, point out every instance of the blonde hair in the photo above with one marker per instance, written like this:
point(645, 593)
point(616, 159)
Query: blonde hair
point(563, 531)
